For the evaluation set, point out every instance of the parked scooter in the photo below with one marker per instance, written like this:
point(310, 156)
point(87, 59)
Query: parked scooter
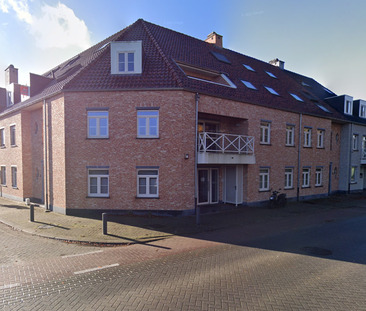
point(277, 199)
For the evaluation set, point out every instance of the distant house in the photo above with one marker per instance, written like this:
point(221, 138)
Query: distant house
point(150, 119)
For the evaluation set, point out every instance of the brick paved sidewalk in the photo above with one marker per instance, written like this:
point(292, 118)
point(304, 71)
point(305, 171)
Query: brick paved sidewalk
point(137, 229)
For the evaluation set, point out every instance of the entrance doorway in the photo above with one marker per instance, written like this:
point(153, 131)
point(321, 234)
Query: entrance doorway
point(208, 185)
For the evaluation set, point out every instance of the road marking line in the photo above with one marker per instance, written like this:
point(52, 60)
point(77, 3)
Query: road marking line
point(95, 269)
point(9, 286)
point(75, 255)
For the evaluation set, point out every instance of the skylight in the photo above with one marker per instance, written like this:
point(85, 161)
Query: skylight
point(271, 74)
point(249, 85)
point(220, 57)
point(272, 91)
point(329, 91)
point(305, 84)
point(323, 108)
point(248, 67)
point(296, 97)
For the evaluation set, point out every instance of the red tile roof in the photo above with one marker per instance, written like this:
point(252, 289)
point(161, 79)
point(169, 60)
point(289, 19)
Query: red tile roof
point(91, 71)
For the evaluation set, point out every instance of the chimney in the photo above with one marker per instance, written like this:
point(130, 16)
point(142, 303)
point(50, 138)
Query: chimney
point(11, 75)
point(214, 38)
point(278, 63)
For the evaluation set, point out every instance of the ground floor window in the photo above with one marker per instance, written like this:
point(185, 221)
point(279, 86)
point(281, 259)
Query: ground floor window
point(319, 176)
point(353, 174)
point(289, 178)
point(14, 176)
point(148, 183)
point(263, 179)
point(98, 182)
point(306, 177)
point(3, 176)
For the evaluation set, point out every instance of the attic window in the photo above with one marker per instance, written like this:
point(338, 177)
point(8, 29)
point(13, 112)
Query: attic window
point(72, 61)
point(363, 109)
point(248, 85)
point(220, 57)
point(126, 57)
point(323, 108)
point(271, 74)
point(272, 91)
point(206, 75)
point(296, 97)
point(248, 67)
point(305, 84)
point(348, 107)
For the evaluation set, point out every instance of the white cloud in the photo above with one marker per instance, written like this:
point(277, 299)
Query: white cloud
point(57, 27)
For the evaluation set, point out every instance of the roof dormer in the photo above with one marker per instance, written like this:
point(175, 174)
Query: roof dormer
point(126, 57)
point(348, 105)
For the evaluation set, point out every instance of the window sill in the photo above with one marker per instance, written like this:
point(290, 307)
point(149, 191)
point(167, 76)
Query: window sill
point(319, 186)
point(308, 147)
point(265, 144)
point(292, 188)
point(97, 197)
point(3, 147)
point(264, 190)
point(13, 146)
point(4, 186)
point(147, 137)
point(290, 145)
point(305, 187)
point(147, 197)
point(355, 150)
point(320, 147)
point(353, 182)
point(92, 138)
point(15, 188)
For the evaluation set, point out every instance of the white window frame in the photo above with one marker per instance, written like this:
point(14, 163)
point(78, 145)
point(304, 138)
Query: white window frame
point(148, 115)
point(99, 178)
point(305, 177)
point(2, 137)
point(348, 107)
point(353, 174)
point(263, 179)
point(13, 135)
point(355, 142)
point(318, 176)
point(265, 133)
point(363, 156)
point(307, 137)
point(290, 135)
point(3, 175)
point(14, 176)
point(289, 178)
point(125, 47)
point(363, 110)
point(320, 138)
point(147, 176)
point(126, 62)
point(90, 117)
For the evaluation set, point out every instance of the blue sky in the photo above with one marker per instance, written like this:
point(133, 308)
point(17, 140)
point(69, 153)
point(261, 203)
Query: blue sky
point(323, 39)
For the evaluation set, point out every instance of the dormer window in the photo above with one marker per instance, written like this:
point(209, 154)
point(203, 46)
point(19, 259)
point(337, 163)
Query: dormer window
point(126, 57)
point(362, 109)
point(348, 107)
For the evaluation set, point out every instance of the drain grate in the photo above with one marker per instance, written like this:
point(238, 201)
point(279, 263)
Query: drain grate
point(312, 250)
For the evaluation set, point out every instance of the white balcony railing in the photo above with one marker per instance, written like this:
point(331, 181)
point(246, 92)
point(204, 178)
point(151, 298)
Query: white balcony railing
point(225, 143)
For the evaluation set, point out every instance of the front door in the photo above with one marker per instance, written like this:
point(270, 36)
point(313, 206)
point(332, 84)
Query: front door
point(208, 186)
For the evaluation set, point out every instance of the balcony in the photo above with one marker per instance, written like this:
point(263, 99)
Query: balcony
point(218, 148)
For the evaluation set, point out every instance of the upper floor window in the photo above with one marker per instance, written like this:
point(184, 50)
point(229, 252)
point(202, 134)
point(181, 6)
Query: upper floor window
point(98, 182)
point(307, 137)
point(148, 123)
point(126, 57)
point(265, 133)
point(98, 124)
point(348, 107)
point(264, 179)
point(320, 140)
point(364, 147)
point(2, 137)
point(290, 133)
point(318, 176)
point(12, 135)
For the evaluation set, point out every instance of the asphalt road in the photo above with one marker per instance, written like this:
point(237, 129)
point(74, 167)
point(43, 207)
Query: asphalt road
point(274, 271)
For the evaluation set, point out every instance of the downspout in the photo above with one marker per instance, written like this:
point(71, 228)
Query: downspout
point(45, 156)
point(196, 207)
point(350, 158)
point(299, 159)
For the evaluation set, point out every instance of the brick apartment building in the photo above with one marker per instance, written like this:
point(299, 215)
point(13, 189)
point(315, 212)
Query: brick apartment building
point(151, 120)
